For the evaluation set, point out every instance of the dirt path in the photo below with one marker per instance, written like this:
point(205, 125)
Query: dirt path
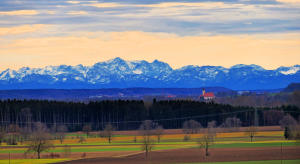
point(195, 155)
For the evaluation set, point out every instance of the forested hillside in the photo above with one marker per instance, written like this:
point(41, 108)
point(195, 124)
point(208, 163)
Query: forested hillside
point(126, 115)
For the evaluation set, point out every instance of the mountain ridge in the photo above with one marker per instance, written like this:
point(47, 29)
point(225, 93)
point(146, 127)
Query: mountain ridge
point(119, 73)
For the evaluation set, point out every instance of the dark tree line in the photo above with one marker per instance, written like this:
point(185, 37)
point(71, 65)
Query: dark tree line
point(128, 115)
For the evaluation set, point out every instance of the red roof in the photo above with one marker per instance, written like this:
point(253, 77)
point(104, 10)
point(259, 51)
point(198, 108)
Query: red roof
point(171, 96)
point(208, 94)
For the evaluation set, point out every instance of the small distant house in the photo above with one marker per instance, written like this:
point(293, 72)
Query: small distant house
point(207, 95)
point(171, 96)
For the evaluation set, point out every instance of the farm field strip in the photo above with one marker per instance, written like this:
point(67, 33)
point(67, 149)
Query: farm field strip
point(169, 138)
point(253, 162)
point(32, 161)
point(156, 147)
point(99, 148)
point(117, 138)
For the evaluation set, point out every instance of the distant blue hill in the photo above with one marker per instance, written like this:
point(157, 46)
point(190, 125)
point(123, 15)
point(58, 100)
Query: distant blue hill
point(118, 73)
point(292, 87)
point(109, 93)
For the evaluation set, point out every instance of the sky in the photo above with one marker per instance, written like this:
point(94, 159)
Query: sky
point(37, 33)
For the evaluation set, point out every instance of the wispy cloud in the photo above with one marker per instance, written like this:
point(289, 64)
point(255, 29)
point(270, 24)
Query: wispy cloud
point(19, 12)
point(184, 18)
point(77, 13)
point(206, 5)
point(106, 5)
point(20, 29)
point(51, 12)
point(74, 2)
point(289, 1)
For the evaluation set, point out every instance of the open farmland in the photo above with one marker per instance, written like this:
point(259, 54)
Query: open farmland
point(121, 131)
point(126, 147)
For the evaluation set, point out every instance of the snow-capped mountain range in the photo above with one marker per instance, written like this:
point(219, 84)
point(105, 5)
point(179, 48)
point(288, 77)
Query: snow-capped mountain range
point(118, 73)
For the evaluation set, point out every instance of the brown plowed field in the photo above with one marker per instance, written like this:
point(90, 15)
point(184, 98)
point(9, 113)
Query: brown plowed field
point(195, 155)
point(179, 131)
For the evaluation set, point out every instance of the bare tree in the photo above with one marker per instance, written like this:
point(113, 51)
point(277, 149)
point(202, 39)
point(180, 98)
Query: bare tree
point(61, 130)
point(212, 124)
point(146, 128)
point(147, 145)
point(146, 131)
point(191, 127)
point(158, 131)
point(232, 123)
point(251, 132)
point(207, 140)
point(40, 140)
point(212, 128)
point(87, 128)
point(291, 126)
point(108, 132)
point(287, 121)
point(13, 134)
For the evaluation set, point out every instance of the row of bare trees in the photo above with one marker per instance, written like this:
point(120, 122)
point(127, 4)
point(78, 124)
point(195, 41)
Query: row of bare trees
point(39, 137)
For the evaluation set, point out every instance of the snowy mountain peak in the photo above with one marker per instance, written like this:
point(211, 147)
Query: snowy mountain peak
point(8, 74)
point(253, 66)
point(119, 73)
point(289, 70)
point(115, 60)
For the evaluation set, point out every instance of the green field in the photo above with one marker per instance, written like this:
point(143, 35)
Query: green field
point(254, 162)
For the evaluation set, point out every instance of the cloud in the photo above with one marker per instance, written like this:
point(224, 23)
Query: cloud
point(84, 1)
point(77, 13)
point(19, 12)
point(88, 48)
point(73, 2)
point(51, 12)
point(207, 5)
point(105, 5)
point(20, 29)
point(213, 12)
point(289, 1)
point(204, 5)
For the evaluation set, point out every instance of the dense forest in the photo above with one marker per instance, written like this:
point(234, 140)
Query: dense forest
point(128, 115)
